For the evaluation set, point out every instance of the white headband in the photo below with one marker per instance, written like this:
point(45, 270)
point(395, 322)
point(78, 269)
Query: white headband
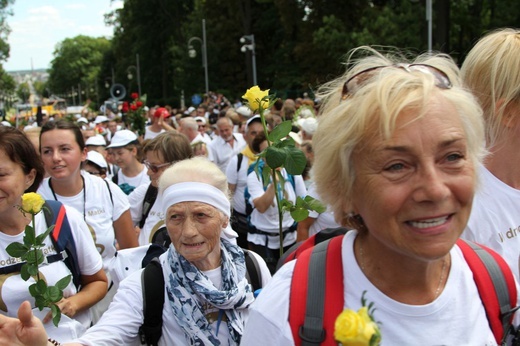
point(195, 192)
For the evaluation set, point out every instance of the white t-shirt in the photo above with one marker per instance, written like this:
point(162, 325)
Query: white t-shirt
point(222, 152)
point(14, 290)
point(323, 220)
point(100, 212)
point(155, 219)
point(240, 180)
point(456, 317)
point(149, 134)
point(495, 218)
point(120, 324)
point(141, 179)
point(268, 221)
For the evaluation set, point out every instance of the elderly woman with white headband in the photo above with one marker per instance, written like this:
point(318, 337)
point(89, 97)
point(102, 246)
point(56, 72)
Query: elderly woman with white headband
point(207, 295)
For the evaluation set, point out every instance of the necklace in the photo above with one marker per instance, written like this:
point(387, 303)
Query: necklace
point(441, 279)
point(84, 195)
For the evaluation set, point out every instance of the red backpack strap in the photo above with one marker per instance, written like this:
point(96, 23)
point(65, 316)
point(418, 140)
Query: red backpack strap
point(315, 304)
point(59, 222)
point(495, 283)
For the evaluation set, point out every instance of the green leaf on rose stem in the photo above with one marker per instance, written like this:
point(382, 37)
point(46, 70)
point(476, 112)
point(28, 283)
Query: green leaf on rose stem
point(55, 294)
point(275, 157)
point(35, 257)
point(315, 204)
point(33, 290)
point(286, 205)
point(29, 235)
point(41, 237)
point(64, 282)
point(280, 131)
point(40, 302)
point(32, 269)
point(299, 214)
point(24, 272)
point(279, 178)
point(287, 142)
point(295, 161)
point(266, 175)
point(16, 249)
point(56, 314)
point(41, 286)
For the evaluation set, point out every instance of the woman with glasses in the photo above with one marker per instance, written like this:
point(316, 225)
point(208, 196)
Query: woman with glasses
point(102, 204)
point(396, 153)
point(160, 153)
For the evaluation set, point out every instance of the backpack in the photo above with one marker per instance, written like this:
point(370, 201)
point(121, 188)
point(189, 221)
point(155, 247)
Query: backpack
point(315, 304)
point(62, 240)
point(152, 283)
point(149, 199)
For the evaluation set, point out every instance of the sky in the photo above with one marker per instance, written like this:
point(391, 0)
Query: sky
point(38, 25)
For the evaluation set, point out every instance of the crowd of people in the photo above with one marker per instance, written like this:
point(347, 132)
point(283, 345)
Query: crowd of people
point(414, 159)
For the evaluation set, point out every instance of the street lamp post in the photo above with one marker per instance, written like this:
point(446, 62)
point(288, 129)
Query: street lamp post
point(250, 47)
point(193, 53)
point(137, 72)
point(429, 20)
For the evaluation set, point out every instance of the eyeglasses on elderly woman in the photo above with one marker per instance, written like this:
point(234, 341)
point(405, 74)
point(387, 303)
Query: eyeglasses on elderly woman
point(155, 168)
point(355, 82)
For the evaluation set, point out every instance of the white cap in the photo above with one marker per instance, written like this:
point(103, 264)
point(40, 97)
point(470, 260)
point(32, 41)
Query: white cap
point(5, 123)
point(96, 140)
point(122, 138)
point(201, 119)
point(244, 111)
point(100, 119)
point(309, 125)
point(189, 110)
point(82, 120)
point(251, 119)
point(97, 158)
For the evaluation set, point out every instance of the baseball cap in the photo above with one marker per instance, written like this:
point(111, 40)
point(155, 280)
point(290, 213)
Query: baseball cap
point(82, 120)
point(122, 138)
point(96, 140)
point(97, 158)
point(161, 111)
point(201, 119)
point(244, 111)
point(100, 119)
point(6, 123)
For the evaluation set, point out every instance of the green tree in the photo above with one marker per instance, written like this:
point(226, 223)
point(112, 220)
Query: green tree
point(23, 92)
point(76, 64)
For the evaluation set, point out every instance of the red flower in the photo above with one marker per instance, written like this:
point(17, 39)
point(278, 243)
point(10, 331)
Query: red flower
point(135, 95)
point(133, 107)
point(124, 108)
point(139, 104)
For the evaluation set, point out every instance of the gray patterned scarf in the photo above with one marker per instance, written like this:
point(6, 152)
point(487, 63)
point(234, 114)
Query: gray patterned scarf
point(188, 288)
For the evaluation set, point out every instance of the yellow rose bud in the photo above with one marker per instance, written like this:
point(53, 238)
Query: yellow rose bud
point(32, 203)
point(254, 98)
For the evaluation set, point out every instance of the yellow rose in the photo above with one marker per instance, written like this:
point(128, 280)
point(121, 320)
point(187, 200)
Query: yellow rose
point(355, 328)
point(32, 203)
point(254, 98)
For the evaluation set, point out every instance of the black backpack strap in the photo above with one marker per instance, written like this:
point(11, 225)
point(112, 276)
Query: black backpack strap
point(253, 272)
point(240, 157)
point(152, 283)
point(62, 237)
point(115, 178)
point(149, 199)
point(109, 192)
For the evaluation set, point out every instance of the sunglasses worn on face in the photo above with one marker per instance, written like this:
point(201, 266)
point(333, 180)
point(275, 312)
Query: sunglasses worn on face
point(355, 82)
point(155, 168)
point(94, 173)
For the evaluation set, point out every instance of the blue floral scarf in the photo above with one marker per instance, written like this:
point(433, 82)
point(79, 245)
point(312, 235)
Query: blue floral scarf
point(188, 289)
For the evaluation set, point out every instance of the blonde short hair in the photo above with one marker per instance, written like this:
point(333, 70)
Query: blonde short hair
point(372, 111)
point(492, 71)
